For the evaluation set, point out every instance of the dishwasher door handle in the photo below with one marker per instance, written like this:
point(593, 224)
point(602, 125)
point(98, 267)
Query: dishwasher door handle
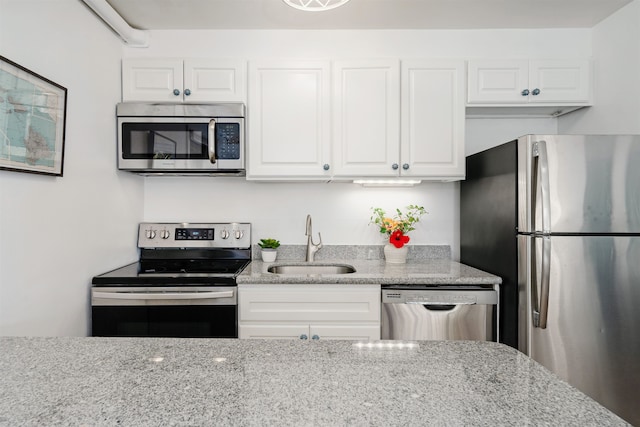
point(441, 303)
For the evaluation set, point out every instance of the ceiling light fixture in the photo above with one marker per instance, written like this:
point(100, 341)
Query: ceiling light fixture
point(315, 5)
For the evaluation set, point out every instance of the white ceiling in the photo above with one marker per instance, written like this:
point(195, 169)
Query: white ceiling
point(366, 14)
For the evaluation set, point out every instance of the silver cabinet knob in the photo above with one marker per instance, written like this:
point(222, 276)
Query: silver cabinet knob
point(303, 337)
point(326, 166)
point(405, 166)
point(535, 92)
point(176, 92)
point(525, 92)
point(394, 166)
point(315, 337)
point(187, 92)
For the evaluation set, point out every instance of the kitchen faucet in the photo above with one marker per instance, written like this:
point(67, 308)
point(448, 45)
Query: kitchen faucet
point(312, 248)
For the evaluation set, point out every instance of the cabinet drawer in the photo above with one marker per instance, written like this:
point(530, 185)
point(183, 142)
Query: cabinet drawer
point(308, 332)
point(309, 303)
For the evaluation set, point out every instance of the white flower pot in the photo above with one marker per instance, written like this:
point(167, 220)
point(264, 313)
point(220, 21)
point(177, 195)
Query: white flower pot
point(269, 255)
point(395, 255)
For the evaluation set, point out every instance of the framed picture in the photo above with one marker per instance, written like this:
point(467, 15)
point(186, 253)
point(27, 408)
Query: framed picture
point(32, 121)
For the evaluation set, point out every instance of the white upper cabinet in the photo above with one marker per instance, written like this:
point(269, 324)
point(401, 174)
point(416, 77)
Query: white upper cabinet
point(522, 81)
point(289, 120)
point(316, 120)
point(366, 118)
point(377, 135)
point(188, 80)
point(560, 81)
point(433, 119)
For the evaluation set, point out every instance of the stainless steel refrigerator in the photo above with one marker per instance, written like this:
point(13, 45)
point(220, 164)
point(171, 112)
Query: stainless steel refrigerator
point(558, 218)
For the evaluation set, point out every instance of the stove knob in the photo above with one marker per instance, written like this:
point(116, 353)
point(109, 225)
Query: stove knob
point(151, 234)
point(224, 234)
point(239, 234)
point(165, 234)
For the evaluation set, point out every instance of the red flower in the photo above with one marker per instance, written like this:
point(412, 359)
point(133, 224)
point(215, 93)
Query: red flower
point(398, 239)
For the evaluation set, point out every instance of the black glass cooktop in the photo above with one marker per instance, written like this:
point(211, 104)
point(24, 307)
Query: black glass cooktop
point(217, 266)
point(179, 267)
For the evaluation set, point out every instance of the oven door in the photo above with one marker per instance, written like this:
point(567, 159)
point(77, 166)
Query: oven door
point(184, 311)
point(175, 144)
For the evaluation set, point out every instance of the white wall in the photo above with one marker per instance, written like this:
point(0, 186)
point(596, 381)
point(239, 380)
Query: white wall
point(56, 233)
point(616, 53)
point(341, 211)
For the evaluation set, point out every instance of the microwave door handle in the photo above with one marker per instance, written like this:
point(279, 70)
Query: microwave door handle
point(163, 295)
point(211, 142)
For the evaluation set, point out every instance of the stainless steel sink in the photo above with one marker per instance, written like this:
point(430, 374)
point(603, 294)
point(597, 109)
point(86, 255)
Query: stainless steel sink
point(304, 269)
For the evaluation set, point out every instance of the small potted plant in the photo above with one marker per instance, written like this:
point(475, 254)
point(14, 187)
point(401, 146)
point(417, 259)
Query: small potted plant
point(269, 249)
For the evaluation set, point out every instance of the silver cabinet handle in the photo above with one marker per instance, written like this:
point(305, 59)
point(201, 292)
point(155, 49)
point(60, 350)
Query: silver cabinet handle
point(525, 92)
point(394, 166)
point(535, 92)
point(303, 337)
point(163, 295)
point(326, 166)
point(211, 141)
point(315, 337)
point(176, 92)
point(187, 92)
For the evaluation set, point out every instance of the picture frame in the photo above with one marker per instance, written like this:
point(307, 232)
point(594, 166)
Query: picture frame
point(32, 121)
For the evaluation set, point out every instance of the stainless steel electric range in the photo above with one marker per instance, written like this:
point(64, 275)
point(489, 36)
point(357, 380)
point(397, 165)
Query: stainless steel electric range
point(184, 284)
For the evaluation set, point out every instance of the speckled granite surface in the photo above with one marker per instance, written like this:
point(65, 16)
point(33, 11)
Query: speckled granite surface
point(206, 382)
point(426, 265)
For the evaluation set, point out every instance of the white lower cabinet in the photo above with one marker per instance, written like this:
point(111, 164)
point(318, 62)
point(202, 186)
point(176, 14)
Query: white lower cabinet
point(309, 312)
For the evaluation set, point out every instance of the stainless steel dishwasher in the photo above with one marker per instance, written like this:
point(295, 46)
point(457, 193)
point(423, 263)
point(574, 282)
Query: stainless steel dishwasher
point(440, 313)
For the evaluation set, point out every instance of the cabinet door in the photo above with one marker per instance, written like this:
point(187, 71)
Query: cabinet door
point(433, 119)
point(344, 332)
point(560, 81)
point(289, 128)
point(214, 80)
point(152, 80)
point(496, 81)
point(366, 118)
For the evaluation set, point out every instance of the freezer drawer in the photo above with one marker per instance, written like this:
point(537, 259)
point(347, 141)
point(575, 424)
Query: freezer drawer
point(439, 314)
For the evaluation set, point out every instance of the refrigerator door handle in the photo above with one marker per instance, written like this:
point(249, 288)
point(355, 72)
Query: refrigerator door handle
point(540, 305)
point(541, 179)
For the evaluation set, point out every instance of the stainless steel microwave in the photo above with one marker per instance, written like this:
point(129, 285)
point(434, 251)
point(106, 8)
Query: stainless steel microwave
point(181, 139)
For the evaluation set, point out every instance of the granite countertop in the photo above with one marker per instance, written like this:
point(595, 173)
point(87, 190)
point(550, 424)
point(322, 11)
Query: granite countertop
point(204, 382)
point(426, 265)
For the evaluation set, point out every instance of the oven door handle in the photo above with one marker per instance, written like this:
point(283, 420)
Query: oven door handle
point(163, 295)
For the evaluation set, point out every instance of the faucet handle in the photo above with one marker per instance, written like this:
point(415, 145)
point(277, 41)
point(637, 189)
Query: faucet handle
point(319, 245)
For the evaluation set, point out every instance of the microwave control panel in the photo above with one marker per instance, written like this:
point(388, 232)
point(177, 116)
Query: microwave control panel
point(228, 141)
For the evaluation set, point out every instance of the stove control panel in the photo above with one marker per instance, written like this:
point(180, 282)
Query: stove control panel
point(231, 235)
